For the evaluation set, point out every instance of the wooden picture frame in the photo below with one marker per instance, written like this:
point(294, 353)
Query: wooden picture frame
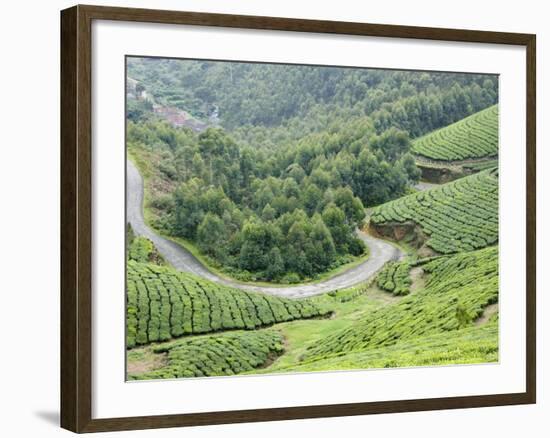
point(76, 218)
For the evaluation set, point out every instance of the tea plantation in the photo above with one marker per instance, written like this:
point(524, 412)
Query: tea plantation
point(458, 216)
point(262, 176)
point(395, 278)
point(216, 355)
point(465, 346)
point(163, 304)
point(475, 136)
point(481, 165)
point(456, 293)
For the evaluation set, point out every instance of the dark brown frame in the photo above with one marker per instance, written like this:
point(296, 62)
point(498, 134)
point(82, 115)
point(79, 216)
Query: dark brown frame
point(76, 218)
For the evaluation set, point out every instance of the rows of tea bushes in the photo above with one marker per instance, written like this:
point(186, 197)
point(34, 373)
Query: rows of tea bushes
point(163, 303)
point(457, 291)
point(475, 136)
point(481, 165)
point(395, 278)
point(216, 355)
point(458, 216)
point(471, 345)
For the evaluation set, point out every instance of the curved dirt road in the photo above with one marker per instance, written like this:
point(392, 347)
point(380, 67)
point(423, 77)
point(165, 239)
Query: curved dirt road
point(181, 259)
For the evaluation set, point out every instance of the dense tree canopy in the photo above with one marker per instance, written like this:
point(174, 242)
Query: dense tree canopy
point(265, 105)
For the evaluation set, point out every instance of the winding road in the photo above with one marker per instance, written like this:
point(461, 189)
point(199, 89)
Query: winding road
point(181, 259)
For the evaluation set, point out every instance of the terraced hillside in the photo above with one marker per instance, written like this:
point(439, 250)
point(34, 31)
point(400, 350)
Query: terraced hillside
point(215, 355)
point(456, 293)
point(472, 345)
point(458, 216)
point(163, 304)
point(475, 136)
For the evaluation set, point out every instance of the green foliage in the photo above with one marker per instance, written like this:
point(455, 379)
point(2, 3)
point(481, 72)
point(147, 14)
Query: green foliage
point(277, 195)
point(211, 234)
point(298, 100)
point(130, 235)
point(216, 355)
point(163, 304)
point(458, 216)
point(220, 181)
point(475, 136)
point(395, 278)
point(236, 213)
point(241, 236)
point(393, 143)
point(472, 345)
point(333, 135)
point(350, 294)
point(482, 165)
point(459, 285)
point(137, 110)
point(141, 249)
point(408, 165)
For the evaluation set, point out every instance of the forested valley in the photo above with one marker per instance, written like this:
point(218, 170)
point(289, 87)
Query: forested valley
point(272, 180)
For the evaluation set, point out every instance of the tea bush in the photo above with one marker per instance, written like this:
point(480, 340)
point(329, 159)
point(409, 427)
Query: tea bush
point(395, 278)
point(163, 304)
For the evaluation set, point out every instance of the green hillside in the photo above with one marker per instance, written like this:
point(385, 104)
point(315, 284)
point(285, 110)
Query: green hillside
point(476, 136)
point(458, 216)
point(163, 304)
point(451, 319)
point(457, 291)
point(472, 345)
point(215, 355)
point(395, 278)
point(300, 99)
point(375, 192)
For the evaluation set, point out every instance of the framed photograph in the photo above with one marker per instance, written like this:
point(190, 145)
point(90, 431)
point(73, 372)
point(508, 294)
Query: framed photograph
point(270, 218)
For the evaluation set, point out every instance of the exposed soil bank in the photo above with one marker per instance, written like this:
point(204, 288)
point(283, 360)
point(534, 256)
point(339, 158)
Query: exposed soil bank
point(440, 172)
point(408, 232)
